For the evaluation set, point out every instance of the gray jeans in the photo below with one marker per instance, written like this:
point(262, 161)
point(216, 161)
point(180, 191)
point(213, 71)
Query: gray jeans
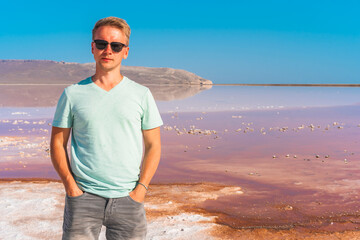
point(123, 217)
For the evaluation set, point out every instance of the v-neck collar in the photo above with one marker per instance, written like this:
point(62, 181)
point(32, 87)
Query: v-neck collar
point(111, 90)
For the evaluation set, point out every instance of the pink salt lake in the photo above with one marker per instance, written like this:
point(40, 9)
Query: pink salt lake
point(293, 151)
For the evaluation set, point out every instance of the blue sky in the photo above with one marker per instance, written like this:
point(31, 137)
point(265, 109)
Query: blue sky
point(224, 41)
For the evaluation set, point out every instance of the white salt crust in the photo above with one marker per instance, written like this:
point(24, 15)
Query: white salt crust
point(32, 211)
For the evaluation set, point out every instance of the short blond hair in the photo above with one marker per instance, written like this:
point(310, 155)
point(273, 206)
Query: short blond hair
point(114, 22)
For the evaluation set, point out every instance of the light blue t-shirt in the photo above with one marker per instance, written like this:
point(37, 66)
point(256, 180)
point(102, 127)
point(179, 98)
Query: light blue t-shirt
point(106, 138)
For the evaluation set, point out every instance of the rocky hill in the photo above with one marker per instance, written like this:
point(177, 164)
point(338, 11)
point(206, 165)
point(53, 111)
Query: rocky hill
point(34, 83)
point(51, 72)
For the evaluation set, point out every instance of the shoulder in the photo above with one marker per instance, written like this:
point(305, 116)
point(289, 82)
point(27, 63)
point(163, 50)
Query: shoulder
point(82, 85)
point(135, 87)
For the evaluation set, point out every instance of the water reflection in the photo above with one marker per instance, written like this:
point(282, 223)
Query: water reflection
point(255, 98)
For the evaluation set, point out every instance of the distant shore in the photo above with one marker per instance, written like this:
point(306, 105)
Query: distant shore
point(213, 84)
point(286, 85)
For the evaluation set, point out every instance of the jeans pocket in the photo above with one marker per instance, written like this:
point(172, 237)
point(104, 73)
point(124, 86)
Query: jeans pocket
point(76, 197)
point(132, 200)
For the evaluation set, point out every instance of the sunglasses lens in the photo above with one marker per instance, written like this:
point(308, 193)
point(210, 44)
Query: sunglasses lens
point(100, 44)
point(116, 47)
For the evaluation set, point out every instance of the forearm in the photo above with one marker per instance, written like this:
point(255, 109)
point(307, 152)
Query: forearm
point(60, 161)
point(150, 163)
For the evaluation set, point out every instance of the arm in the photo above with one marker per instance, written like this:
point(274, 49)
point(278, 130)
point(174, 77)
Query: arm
point(151, 160)
point(60, 159)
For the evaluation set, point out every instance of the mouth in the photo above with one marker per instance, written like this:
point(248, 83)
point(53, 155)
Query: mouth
point(106, 59)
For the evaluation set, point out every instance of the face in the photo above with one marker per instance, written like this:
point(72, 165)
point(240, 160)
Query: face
point(107, 59)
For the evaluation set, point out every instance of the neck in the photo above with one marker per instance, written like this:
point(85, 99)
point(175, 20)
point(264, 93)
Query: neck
point(107, 77)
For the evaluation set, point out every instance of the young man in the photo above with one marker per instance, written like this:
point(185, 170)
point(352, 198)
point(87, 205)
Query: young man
point(110, 116)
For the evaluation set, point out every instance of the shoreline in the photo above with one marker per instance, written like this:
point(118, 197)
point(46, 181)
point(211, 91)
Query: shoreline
point(17, 179)
point(287, 84)
point(212, 84)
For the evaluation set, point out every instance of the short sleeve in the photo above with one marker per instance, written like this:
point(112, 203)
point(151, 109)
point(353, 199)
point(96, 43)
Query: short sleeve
point(63, 117)
point(151, 117)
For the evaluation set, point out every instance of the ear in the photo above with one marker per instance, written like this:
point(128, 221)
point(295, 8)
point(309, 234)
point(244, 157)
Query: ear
point(92, 47)
point(126, 52)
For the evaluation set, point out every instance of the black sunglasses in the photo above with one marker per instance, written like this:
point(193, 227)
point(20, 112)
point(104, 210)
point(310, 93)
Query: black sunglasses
point(115, 46)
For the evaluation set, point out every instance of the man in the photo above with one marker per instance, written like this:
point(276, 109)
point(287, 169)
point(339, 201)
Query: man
point(110, 116)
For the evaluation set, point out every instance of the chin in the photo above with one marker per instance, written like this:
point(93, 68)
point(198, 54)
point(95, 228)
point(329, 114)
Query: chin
point(107, 67)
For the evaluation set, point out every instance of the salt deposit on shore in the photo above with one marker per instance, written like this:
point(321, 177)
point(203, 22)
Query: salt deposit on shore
point(34, 210)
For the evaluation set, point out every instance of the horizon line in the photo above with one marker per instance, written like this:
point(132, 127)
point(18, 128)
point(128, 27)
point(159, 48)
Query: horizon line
point(288, 84)
point(218, 84)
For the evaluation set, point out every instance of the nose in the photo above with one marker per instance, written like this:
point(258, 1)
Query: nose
point(108, 49)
